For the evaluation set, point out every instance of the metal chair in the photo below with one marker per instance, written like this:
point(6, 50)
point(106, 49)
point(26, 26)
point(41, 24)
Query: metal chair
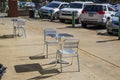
point(21, 27)
point(69, 46)
point(14, 27)
point(2, 15)
point(50, 39)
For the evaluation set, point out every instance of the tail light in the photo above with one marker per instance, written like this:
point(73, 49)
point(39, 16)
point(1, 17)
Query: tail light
point(101, 12)
point(83, 11)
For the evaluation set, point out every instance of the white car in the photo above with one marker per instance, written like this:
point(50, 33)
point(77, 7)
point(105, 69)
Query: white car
point(76, 6)
point(29, 4)
point(53, 6)
point(96, 14)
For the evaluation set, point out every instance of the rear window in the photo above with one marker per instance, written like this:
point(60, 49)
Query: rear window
point(75, 5)
point(93, 8)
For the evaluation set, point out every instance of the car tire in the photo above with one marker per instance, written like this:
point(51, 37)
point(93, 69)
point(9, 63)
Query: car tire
point(109, 31)
point(56, 16)
point(84, 25)
point(62, 20)
point(107, 28)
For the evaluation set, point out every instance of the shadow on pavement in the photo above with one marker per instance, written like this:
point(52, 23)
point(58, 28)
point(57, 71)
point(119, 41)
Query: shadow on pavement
point(41, 77)
point(36, 67)
point(76, 26)
point(107, 41)
point(105, 34)
point(28, 68)
point(36, 57)
point(33, 67)
point(92, 27)
point(7, 36)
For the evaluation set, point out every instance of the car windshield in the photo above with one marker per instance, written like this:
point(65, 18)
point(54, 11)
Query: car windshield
point(75, 5)
point(53, 5)
point(94, 8)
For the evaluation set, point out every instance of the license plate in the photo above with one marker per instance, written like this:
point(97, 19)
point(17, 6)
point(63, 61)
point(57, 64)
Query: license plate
point(91, 15)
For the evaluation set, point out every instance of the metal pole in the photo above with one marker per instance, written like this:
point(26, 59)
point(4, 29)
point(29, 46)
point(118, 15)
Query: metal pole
point(119, 29)
point(73, 19)
point(40, 14)
point(51, 15)
point(4, 4)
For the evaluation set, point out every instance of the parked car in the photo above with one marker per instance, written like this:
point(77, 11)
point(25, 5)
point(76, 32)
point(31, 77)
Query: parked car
point(21, 4)
point(30, 4)
point(96, 14)
point(112, 25)
point(117, 6)
point(25, 4)
point(76, 6)
point(53, 6)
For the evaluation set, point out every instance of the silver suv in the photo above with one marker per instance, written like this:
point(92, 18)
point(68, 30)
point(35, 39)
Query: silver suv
point(76, 6)
point(53, 6)
point(96, 14)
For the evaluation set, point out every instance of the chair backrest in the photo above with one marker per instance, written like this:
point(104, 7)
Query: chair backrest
point(70, 43)
point(50, 32)
point(21, 22)
point(14, 22)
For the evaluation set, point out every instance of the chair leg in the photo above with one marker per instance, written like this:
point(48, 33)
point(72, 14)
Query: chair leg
point(61, 62)
point(19, 32)
point(78, 63)
point(14, 32)
point(71, 61)
point(24, 31)
point(56, 58)
point(46, 50)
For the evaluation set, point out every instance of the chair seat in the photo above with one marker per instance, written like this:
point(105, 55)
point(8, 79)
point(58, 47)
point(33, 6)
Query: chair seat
point(67, 51)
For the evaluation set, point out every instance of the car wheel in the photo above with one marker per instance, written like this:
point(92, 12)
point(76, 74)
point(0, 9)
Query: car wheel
point(108, 31)
point(62, 20)
point(83, 25)
point(56, 16)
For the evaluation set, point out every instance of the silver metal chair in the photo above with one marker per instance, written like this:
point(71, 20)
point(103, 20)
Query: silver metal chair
point(14, 27)
point(50, 39)
point(2, 15)
point(19, 27)
point(69, 46)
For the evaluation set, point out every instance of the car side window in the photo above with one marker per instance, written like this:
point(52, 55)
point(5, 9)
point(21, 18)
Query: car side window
point(63, 6)
point(110, 9)
point(104, 8)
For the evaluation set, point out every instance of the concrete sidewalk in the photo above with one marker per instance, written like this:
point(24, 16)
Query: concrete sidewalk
point(99, 53)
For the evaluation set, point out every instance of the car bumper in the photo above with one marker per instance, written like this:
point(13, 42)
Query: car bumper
point(68, 17)
point(93, 23)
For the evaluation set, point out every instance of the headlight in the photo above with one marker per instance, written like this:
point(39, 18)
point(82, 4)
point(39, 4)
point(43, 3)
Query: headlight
point(76, 12)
